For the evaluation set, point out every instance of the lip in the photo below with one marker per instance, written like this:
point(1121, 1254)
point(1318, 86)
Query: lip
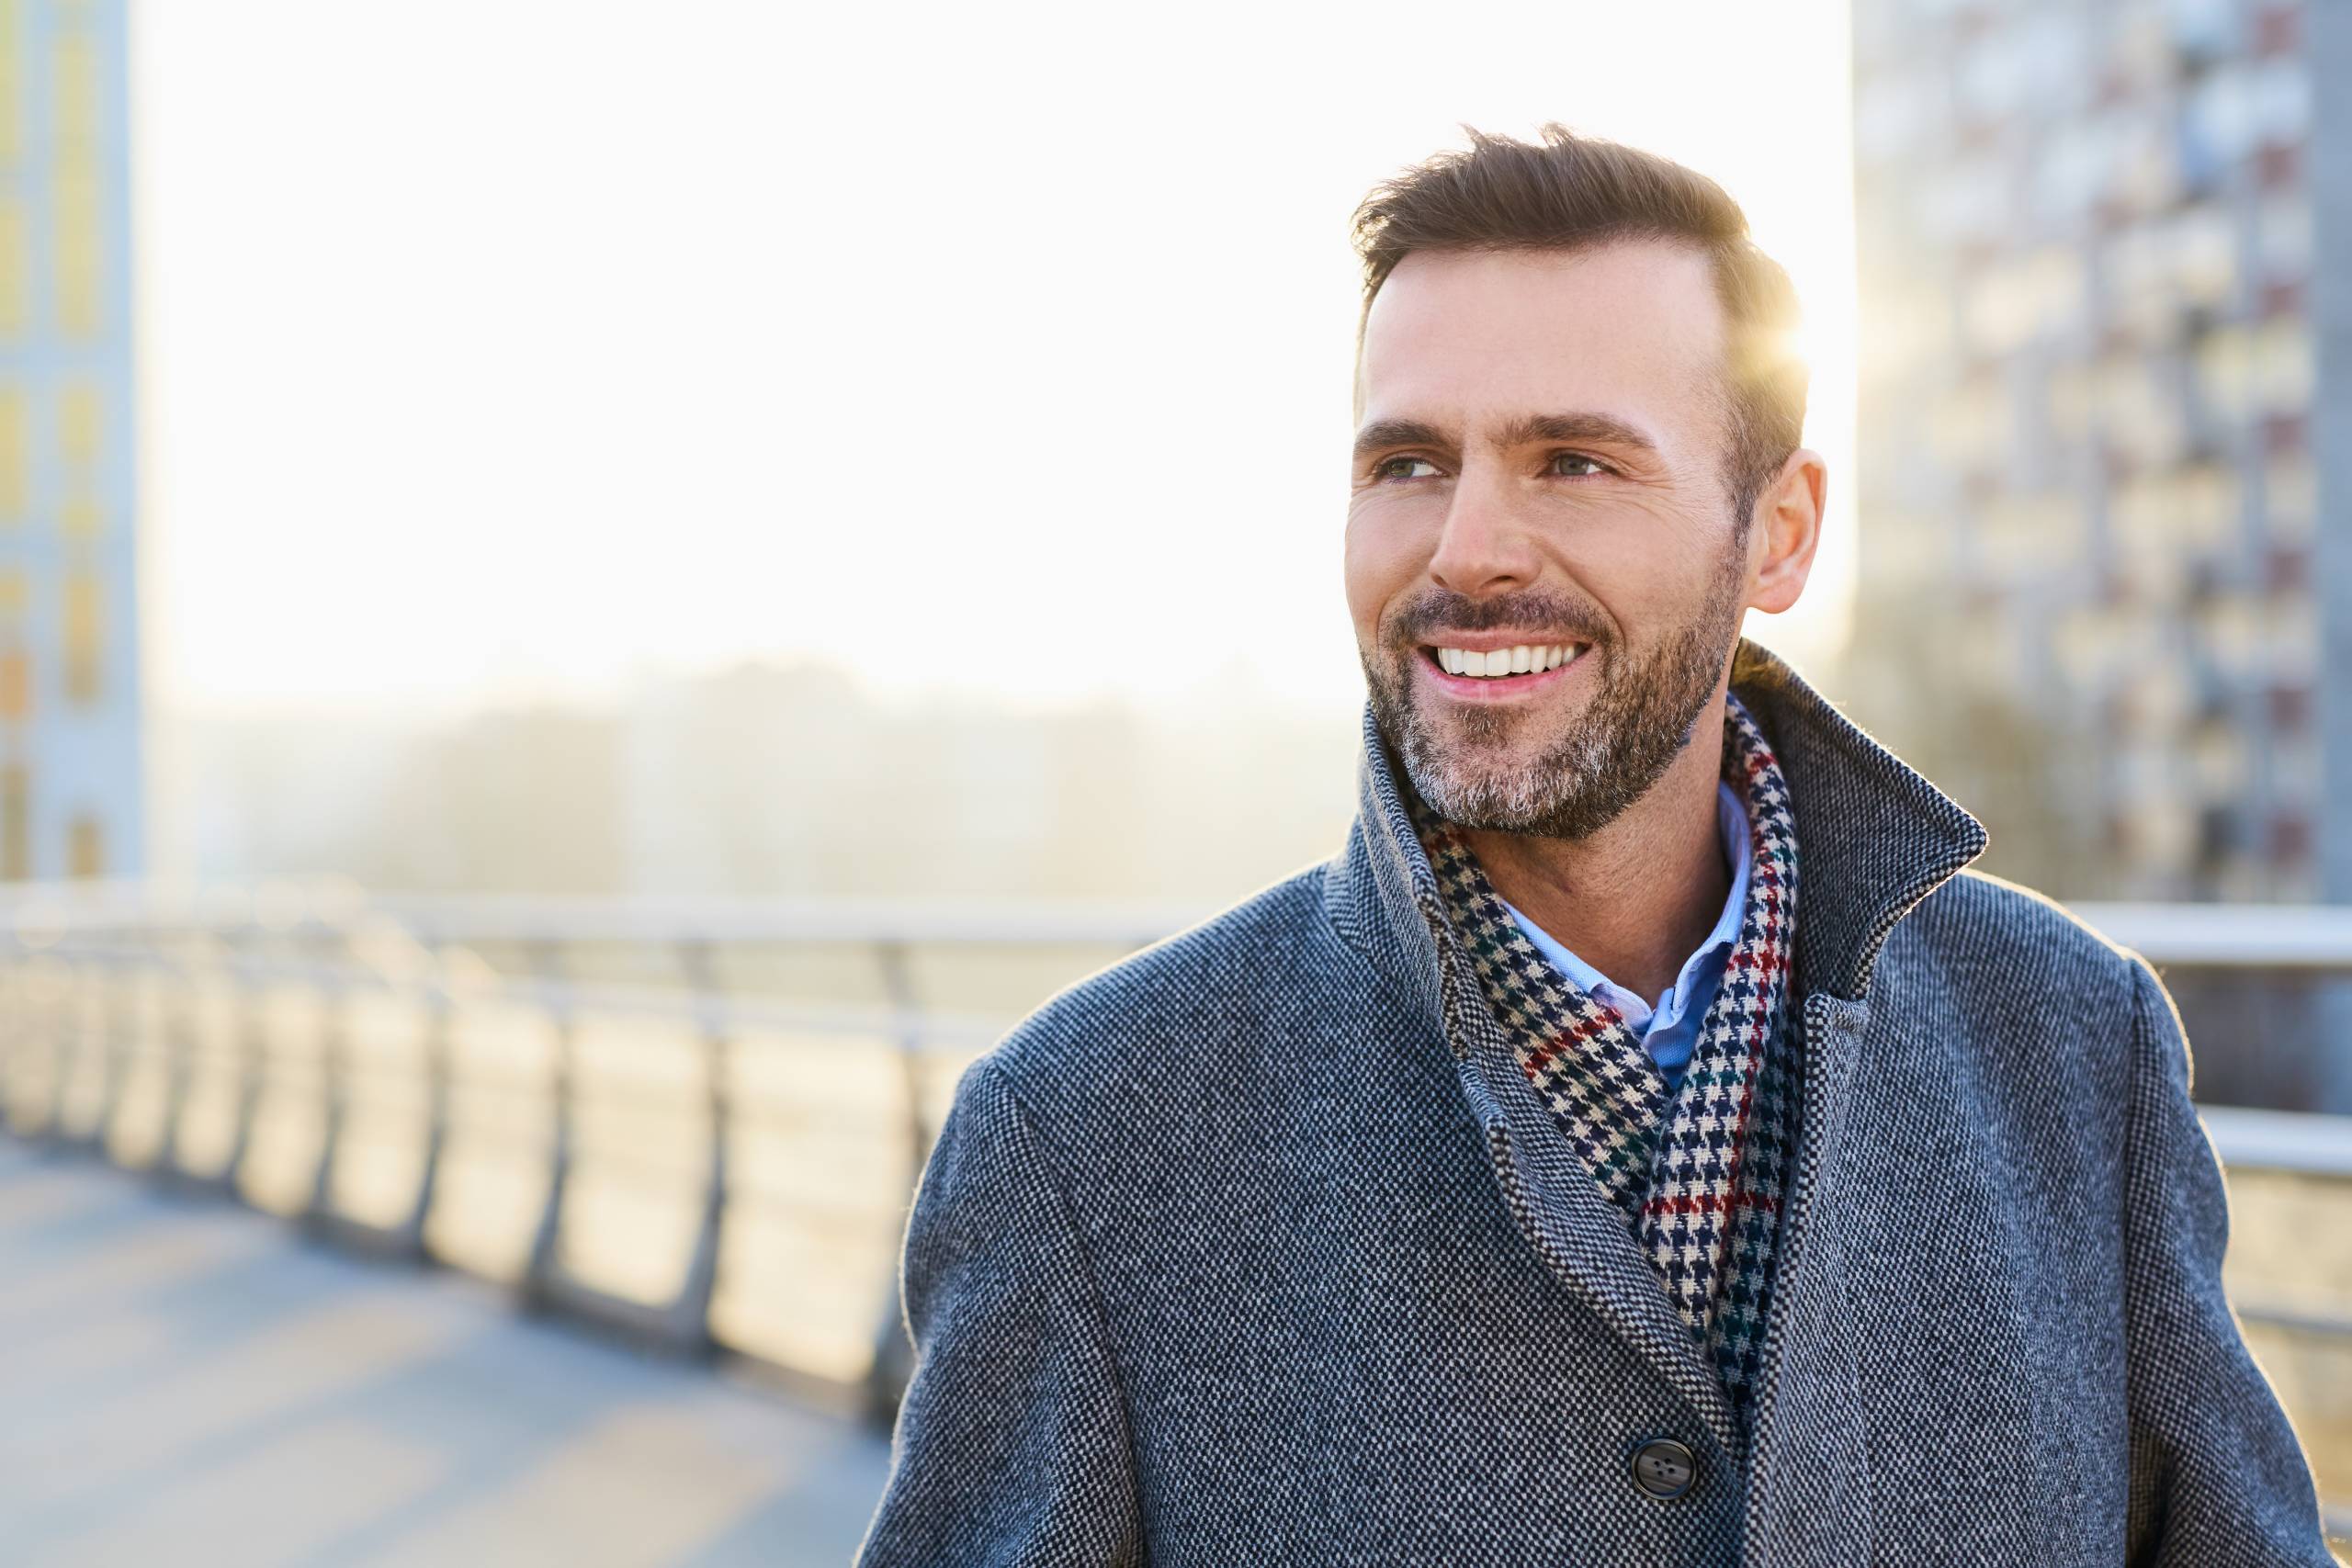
point(1496, 688)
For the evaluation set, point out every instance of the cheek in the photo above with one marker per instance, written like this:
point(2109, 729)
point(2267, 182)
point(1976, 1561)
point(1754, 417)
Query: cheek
point(1661, 583)
point(1384, 554)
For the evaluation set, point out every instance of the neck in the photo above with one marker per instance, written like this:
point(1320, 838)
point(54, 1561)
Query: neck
point(1635, 898)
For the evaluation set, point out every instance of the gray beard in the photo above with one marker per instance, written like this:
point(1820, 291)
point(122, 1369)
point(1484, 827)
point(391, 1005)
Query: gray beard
point(1637, 724)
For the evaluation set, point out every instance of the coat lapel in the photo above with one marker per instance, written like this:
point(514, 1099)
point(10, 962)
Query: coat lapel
point(1876, 839)
point(1580, 1235)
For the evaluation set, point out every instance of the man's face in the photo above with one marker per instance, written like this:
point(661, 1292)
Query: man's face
point(1539, 464)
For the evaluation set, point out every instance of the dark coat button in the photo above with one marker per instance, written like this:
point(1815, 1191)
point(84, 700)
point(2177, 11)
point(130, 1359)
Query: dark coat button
point(1664, 1468)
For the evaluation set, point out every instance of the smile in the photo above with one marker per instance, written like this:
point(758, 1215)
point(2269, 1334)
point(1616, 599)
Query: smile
point(1498, 663)
point(1500, 674)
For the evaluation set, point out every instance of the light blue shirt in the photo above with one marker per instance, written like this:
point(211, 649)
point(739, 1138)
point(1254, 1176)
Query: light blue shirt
point(1669, 1026)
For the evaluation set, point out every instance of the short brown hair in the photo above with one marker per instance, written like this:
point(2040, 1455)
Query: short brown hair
point(1571, 192)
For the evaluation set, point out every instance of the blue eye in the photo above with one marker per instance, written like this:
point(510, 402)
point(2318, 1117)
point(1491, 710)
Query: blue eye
point(1577, 466)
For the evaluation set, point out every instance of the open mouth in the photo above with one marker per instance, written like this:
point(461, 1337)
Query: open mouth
point(1492, 673)
point(1516, 665)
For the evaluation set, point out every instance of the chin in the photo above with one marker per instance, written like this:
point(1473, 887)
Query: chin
point(1502, 791)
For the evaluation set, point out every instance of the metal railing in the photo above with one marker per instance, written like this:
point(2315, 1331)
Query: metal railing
point(666, 1116)
point(271, 1046)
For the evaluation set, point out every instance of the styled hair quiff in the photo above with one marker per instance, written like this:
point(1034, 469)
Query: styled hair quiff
point(1571, 193)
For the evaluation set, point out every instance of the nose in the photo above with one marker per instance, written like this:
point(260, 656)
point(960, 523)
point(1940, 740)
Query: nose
point(1483, 548)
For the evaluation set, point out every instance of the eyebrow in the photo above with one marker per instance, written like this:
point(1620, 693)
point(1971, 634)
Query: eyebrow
point(1386, 432)
point(1599, 429)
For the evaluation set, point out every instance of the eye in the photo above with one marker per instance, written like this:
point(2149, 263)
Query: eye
point(1576, 466)
point(1404, 468)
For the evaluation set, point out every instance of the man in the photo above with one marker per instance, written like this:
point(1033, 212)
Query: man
point(1645, 1143)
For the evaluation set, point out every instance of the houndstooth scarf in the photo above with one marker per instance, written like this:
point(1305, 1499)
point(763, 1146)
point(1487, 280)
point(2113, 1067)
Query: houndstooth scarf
point(1698, 1177)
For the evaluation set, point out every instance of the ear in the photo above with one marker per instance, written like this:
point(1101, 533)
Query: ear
point(1785, 530)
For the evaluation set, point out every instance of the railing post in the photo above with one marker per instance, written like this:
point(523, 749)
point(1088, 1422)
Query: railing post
point(71, 1047)
point(22, 1007)
point(332, 1070)
point(252, 1067)
point(690, 1313)
point(116, 1021)
point(539, 1285)
point(59, 1010)
point(12, 1025)
point(438, 1093)
point(89, 1036)
point(334, 1075)
point(179, 1055)
point(893, 1360)
point(58, 1007)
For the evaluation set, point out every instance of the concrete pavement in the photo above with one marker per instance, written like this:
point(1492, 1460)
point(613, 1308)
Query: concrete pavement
point(186, 1381)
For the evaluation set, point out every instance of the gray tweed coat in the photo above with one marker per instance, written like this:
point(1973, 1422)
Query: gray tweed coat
point(1249, 1250)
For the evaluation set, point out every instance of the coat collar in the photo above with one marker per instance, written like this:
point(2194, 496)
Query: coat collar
point(1875, 837)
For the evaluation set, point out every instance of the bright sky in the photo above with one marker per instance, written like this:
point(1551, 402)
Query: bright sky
point(496, 349)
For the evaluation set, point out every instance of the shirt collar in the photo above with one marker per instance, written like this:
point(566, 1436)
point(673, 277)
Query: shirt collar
point(1732, 832)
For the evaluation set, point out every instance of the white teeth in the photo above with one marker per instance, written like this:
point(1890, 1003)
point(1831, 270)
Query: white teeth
point(1518, 660)
point(1508, 661)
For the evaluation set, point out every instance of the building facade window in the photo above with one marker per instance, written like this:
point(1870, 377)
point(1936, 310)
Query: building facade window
point(77, 216)
point(15, 824)
point(80, 247)
point(16, 686)
point(80, 517)
point(86, 849)
point(16, 479)
point(16, 271)
point(12, 84)
point(85, 637)
point(81, 427)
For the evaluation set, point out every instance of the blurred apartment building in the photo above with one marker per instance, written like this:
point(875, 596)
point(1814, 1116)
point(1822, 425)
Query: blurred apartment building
point(70, 756)
point(2106, 431)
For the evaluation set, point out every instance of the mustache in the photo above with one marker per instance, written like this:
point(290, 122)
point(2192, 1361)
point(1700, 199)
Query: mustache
point(1428, 616)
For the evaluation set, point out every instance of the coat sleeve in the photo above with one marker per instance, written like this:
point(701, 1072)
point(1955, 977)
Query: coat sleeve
point(1012, 1448)
point(2217, 1476)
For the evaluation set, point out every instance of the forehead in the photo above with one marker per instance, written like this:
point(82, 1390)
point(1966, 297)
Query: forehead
point(1632, 328)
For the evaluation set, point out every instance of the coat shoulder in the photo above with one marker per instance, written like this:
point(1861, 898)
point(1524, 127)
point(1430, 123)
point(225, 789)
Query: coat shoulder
point(1977, 922)
point(2025, 1016)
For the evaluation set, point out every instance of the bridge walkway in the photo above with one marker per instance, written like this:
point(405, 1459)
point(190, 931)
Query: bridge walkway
point(187, 1381)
